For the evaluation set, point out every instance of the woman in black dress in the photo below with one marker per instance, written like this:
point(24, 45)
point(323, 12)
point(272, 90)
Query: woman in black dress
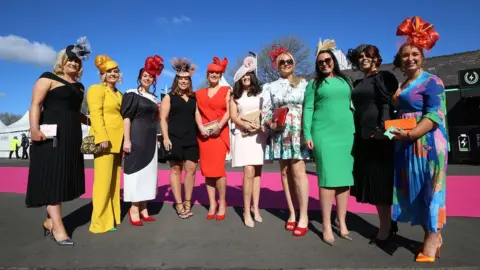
point(373, 151)
point(179, 130)
point(140, 118)
point(56, 172)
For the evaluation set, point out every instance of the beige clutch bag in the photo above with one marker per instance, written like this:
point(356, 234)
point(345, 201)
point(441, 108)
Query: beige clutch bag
point(253, 118)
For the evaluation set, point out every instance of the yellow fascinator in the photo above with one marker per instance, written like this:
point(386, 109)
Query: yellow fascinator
point(327, 45)
point(104, 63)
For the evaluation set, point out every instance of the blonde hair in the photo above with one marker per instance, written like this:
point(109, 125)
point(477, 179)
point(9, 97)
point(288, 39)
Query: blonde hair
point(61, 61)
point(294, 80)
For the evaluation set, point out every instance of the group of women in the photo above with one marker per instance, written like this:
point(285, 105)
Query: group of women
point(338, 123)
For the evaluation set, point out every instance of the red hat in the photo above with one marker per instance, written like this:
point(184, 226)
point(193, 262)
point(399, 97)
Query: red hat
point(153, 65)
point(275, 53)
point(217, 65)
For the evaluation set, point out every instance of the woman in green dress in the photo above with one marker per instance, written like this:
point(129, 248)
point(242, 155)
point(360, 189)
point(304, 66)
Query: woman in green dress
point(328, 130)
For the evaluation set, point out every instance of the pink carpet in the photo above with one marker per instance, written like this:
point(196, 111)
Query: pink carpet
point(462, 196)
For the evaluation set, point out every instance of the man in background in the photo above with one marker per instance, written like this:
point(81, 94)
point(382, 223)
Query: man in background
point(25, 144)
point(14, 146)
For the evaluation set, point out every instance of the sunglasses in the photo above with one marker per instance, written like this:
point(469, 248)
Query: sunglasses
point(285, 62)
point(327, 61)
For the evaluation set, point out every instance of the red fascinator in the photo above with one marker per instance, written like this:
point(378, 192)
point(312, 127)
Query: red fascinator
point(275, 53)
point(419, 32)
point(217, 65)
point(153, 65)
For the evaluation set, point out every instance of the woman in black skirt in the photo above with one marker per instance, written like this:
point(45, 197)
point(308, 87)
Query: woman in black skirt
point(56, 172)
point(373, 151)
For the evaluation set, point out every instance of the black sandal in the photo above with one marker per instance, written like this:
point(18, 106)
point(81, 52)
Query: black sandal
point(181, 213)
point(188, 209)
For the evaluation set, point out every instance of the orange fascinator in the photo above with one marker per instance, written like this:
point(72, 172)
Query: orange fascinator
point(419, 32)
point(154, 65)
point(217, 65)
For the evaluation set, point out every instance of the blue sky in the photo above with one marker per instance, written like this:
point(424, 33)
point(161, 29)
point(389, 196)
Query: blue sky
point(130, 31)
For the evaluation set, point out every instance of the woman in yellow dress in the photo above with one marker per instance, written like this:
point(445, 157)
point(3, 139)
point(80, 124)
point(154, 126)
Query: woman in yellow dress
point(104, 101)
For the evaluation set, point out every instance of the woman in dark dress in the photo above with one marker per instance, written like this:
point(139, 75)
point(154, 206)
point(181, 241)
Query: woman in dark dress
point(140, 117)
point(56, 172)
point(179, 128)
point(373, 151)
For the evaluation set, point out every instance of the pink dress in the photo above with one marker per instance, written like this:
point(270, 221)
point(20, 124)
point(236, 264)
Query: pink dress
point(249, 150)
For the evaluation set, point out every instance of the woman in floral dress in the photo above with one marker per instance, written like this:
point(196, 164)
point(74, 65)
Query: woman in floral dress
point(286, 142)
point(420, 154)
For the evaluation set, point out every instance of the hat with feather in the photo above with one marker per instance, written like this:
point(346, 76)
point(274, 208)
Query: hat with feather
point(184, 67)
point(249, 65)
point(327, 45)
point(80, 50)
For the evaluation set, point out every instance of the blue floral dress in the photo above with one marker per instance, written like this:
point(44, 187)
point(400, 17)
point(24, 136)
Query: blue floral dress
point(421, 166)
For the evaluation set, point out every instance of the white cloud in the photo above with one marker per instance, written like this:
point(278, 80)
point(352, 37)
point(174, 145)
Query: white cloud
point(19, 49)
point(177, 20)
point(2, 95)
point(169, 73)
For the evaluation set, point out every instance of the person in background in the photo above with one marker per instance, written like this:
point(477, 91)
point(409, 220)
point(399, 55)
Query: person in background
point(248, 150)
point(214, 139)
point(373, 151)
point(421, 154)
point(286, 141)
point(179, 130)
point(14, 146)
point(140, 118)
point(328, 129)
point(56, 171)
point(25, 144)
point(104, 102)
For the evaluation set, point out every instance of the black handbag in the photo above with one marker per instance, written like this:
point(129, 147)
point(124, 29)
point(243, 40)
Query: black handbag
point(163, 155)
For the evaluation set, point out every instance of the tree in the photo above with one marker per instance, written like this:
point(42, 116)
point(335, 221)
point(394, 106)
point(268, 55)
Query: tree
point(266, 73)
point(9, 118)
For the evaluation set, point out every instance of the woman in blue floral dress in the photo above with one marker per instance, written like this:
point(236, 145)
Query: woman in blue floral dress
point(420, 154)
point(286, 142)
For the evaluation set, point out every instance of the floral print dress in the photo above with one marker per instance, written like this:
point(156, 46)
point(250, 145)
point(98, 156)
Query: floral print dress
point(287, 143)
point(419, 193)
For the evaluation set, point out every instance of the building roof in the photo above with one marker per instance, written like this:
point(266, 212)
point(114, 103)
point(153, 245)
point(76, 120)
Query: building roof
point(445, 66)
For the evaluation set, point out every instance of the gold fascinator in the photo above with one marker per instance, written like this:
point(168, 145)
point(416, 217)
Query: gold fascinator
point(327, 45)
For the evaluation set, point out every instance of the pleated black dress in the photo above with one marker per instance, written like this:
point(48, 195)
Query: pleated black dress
point(373, 158)
point(56, 172)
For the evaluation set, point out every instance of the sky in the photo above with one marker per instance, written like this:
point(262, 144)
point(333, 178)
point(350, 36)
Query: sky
point(129, 31)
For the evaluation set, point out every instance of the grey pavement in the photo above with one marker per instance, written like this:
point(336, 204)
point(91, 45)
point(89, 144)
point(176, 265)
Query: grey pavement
point(198, 243)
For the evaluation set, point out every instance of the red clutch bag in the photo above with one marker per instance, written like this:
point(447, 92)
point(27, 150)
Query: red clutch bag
point(280, 115)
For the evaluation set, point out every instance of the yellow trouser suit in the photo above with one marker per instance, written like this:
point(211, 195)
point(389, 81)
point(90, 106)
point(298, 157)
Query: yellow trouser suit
point(107, 125)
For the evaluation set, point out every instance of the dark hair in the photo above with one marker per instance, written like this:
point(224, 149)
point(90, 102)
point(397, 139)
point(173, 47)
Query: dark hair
point(397, 60)
point(154, 84)
point(254, 87)
point(320, 77)
point(175, 90)
point(370, 51)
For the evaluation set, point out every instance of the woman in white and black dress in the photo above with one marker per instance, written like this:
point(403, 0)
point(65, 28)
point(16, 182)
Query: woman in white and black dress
point(141, 115)
point(56, 173)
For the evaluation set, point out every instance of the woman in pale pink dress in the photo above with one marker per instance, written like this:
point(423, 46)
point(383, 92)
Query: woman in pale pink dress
point(249, 141)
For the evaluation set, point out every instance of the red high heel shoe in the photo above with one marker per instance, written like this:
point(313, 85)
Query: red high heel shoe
point(134, 223)
point(222, 217)
point(210, 217)
point(147, 219)
point(298, 231)
point(290, 226)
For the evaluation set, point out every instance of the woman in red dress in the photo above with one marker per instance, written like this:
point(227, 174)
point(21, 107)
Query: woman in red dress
point(214, 141)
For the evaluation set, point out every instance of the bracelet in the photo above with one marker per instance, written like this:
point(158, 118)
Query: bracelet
point(34, 126)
